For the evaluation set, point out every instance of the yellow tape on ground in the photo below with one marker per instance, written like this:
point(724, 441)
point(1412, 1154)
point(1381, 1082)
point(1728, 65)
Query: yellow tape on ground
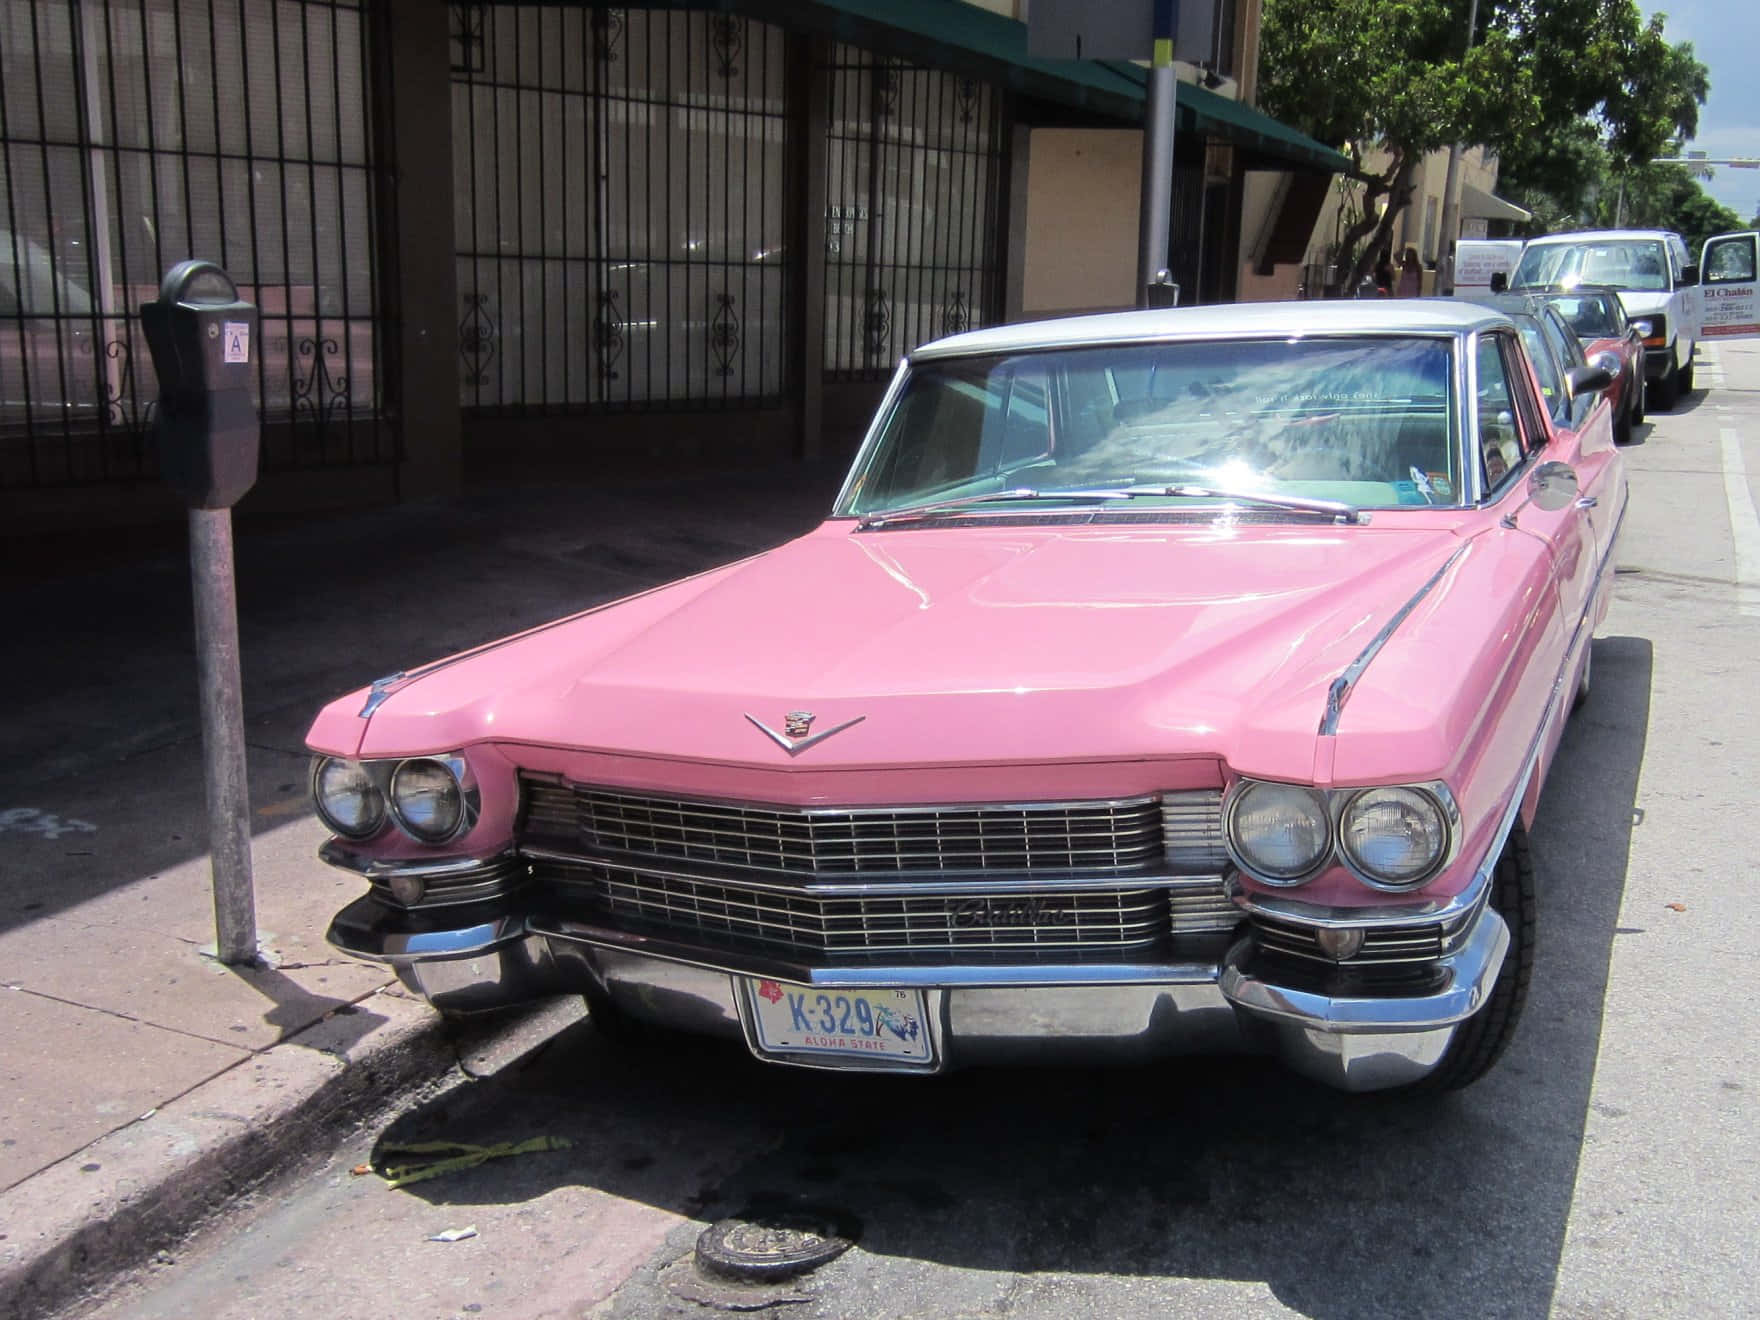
point(452, 1156)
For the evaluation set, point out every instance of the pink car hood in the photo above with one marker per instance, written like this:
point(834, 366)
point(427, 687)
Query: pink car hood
point(958, 645)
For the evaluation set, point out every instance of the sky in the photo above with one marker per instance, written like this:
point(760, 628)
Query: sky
point(1726, 40)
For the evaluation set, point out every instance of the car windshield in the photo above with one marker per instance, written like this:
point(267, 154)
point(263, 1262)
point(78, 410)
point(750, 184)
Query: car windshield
point(1638, 263)
point(1366, 421)
point(1589, 315)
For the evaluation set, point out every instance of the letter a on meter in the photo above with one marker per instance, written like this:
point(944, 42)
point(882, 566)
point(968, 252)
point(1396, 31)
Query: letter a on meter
point(1729, 289)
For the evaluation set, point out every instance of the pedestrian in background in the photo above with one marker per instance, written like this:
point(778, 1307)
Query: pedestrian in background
point(1411, 274)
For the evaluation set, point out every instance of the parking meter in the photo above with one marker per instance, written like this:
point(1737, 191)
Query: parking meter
point(204, 343)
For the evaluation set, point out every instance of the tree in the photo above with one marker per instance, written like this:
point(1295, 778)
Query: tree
point(1401, 75)
point(1563, 173)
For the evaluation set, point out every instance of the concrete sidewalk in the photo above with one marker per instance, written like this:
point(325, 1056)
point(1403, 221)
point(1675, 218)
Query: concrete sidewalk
point(143, 1084)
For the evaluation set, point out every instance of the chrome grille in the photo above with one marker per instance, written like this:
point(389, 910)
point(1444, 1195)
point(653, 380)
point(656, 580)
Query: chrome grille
point(1015, 883)
point(490, 880)
point(1092, 838)
point(1191, 831)
point(1022, 926)
point(1390, 944)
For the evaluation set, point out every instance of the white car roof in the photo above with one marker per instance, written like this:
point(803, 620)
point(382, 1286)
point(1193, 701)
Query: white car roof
point(1382, 316)
point(1601, 236)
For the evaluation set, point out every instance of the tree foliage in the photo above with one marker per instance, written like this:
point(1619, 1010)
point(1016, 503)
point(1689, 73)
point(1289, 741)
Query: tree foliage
point(1557, 85)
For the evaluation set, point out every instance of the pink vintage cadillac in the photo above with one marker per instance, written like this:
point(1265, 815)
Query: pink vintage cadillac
point(1162, 682)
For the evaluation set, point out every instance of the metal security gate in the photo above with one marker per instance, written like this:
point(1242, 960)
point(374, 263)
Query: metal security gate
point(915, 162)
point(137, 133)
point(621, 209)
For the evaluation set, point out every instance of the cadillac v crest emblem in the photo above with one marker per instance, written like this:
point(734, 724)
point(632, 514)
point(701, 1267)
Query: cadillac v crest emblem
point(796, 737)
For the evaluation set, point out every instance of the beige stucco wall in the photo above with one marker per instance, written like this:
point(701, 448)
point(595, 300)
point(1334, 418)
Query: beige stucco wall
point(1081, 231)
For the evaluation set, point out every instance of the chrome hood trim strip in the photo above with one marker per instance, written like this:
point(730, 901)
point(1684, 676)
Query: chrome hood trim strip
point(1340, 691)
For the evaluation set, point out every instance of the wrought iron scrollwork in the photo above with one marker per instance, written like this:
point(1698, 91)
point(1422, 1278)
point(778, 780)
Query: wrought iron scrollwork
point(317, 395)
point(876, 321)
point(725, 334)
point(468, 49)
point(608, 26)
point(118, 386)
point(886, 87)
point(609, 328)
point(956, 315)
point(476, 338)
point(966, 96)
point(726, 36)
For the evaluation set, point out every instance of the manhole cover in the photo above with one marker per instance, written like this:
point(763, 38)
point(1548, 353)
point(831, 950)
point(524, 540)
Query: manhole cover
point(773, 1245)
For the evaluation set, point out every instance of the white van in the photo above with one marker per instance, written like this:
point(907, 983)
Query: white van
point(1655, 276)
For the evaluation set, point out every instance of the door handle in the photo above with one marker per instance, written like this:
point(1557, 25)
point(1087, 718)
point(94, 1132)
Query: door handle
point(1588, 502)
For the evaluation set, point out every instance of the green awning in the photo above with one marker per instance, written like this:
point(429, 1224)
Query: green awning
point(1216, 116)
point(951, 33)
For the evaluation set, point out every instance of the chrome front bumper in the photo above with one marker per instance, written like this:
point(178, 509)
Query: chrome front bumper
point(977, 1014)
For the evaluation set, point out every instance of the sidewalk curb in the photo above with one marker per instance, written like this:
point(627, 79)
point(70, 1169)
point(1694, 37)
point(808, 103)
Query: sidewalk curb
point(144, 1188)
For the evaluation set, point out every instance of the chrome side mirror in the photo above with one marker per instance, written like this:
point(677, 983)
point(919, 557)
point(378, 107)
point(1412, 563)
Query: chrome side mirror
point(1551, 486)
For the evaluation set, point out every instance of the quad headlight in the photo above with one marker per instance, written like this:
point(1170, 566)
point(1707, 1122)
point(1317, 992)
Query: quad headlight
point(348, 798)
point(1279, 832)
point(427, 799)
point(433, 799)
point(1394, 837)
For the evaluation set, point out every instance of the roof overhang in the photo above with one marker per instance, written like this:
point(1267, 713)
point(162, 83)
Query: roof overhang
point(951, 34)
point(1478, 203)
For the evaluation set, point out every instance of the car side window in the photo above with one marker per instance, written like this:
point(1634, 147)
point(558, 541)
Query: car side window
point(1500, 432)
point(1546, 368)
point(1730, 263)
point(1569, 354)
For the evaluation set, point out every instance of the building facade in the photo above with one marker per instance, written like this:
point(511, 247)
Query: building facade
point(494, 238)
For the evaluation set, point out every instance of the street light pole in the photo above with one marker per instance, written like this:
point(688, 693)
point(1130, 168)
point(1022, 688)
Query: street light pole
point(1451, 184)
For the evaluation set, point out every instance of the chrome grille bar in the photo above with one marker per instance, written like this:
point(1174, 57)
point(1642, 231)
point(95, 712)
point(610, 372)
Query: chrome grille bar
point(1086, 921)
point(1092, 837)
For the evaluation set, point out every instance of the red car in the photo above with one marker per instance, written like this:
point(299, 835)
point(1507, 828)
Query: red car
point(1609, 340)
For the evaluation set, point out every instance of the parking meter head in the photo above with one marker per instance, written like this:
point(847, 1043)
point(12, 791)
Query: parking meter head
point(204, 343)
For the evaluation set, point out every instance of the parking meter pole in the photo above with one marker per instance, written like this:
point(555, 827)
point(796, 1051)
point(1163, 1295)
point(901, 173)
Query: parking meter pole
point(229, 818)
point(201, 334)
point(1156, 214)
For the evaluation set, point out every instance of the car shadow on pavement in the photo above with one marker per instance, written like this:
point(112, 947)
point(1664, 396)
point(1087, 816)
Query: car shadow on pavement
point(101, 761)
point(1200, 1169)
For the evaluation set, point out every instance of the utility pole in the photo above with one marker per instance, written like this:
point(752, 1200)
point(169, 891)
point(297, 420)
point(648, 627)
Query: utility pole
point(1451, 205)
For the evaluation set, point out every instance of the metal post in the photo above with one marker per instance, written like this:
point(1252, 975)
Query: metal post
point(1450, 185)
point(229, 820)
point(1156, 215)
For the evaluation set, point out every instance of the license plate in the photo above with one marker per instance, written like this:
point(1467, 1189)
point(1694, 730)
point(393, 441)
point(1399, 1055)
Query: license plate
point(802, 1019)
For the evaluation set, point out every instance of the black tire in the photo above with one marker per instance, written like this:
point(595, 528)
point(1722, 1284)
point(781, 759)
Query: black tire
point(1685, 384)
point(1582, 695)
point(1665, 387)
point(1622, 428)
point(1481, 1039)
point(1637, 396)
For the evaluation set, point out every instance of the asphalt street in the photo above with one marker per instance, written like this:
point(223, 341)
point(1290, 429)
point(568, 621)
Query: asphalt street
point(1610, 1167)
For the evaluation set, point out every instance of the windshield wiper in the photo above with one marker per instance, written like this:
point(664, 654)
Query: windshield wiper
point(1337, 509)
point(882, 516)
